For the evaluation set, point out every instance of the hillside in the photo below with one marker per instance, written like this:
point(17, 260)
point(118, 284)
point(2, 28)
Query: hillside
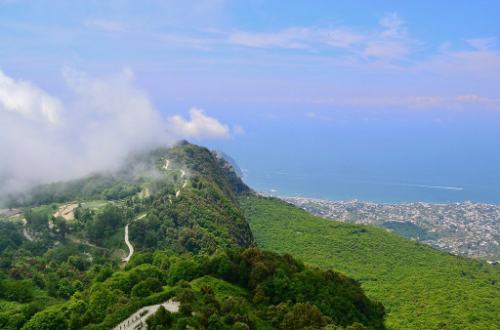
point(186, 189)
point(421, 288)
point(165, 229)
point(233, 289)
point(197, 242)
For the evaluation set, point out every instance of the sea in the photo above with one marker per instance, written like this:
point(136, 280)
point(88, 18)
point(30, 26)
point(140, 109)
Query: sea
point(330, 186)
point(436, 157)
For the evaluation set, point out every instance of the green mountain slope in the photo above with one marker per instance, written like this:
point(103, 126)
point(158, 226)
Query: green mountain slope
point(62, 262)
point(234, 289)
point(420, 287)
point(199, 211)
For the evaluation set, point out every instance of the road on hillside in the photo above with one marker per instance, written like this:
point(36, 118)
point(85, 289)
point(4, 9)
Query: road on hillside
point(138, 319)
point(183, 174)
point(130, 246)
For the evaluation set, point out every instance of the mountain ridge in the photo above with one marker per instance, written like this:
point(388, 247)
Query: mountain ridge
point(179, 208)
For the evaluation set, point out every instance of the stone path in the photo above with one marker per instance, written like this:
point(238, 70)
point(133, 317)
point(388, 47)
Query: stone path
point(138, 319)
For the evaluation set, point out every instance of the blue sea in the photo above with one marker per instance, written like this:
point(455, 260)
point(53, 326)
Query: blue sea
point(390, 157)
point(382, 190)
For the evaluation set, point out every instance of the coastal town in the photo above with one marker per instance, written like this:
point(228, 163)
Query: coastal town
point(465, 228)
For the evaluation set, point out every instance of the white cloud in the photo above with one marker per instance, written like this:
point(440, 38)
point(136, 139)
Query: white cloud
point(465, 64)
point(198, 126)
point(392, 42)
point(343, 38)
point(297, 38)
point(28, 100)
point(393, 25)
point(389, 40)
point(386, 49)
point(43, 139)
point(482, 44)
point(288, 38)
point(416, 102)
point(105, 25)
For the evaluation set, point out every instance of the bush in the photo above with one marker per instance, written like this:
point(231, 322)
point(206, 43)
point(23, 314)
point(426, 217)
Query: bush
point(304, 315)
point(20, 291)
point(146, 287)
point(162, 318)
point(240, 326)
point(47, 320)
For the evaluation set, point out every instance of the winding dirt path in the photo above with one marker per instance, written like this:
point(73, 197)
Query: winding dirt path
point(127, 241)
point(178, 192)
point(130, 246)
point(25, 231)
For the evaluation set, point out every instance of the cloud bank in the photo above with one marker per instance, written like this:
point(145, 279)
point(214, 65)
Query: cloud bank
point(43, 139)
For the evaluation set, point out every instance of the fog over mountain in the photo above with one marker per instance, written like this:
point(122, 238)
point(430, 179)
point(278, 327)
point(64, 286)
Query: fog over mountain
point(44, 138)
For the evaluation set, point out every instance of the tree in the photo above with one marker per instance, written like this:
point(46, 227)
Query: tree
point(47, 320)
point(162, 318)
point(20, 291)
point(38, 221)
point(61, 227)
point(302, 316)
point(146, 287)
point(105, 223)
point(83, 215)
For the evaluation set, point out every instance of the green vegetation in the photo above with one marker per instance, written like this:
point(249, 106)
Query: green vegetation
point(203, 216)
point(409, 230)
point(98, 186)
point(233, 289)
point(421, 288)
point(187, 231)
point(188, 225)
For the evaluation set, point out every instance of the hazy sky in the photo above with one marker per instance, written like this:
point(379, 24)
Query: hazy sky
point(423, 54)
point(340, 75)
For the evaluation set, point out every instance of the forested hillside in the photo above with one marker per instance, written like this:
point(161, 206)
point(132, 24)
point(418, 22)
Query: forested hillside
point(166, 228)
point(421, 288)
point(178, 227)
point(233, 289)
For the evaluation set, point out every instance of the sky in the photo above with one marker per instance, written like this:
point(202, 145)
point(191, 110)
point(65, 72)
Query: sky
point(393, 93)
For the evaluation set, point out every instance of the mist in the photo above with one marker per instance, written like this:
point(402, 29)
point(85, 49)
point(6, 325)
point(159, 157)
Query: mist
point(45, 139)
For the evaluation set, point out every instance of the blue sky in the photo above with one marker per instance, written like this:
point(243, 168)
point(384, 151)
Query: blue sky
point(290, 77)
point(420, 54)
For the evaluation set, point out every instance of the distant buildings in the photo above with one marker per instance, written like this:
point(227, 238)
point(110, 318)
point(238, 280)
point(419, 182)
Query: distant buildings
point(470, 229)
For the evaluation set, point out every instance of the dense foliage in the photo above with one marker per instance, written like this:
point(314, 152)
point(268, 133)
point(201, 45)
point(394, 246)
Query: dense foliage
point(233, 289)
point(97, 186)
point(35, 275)
point(420, 287)
point(44, 257)
point(186, 212)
